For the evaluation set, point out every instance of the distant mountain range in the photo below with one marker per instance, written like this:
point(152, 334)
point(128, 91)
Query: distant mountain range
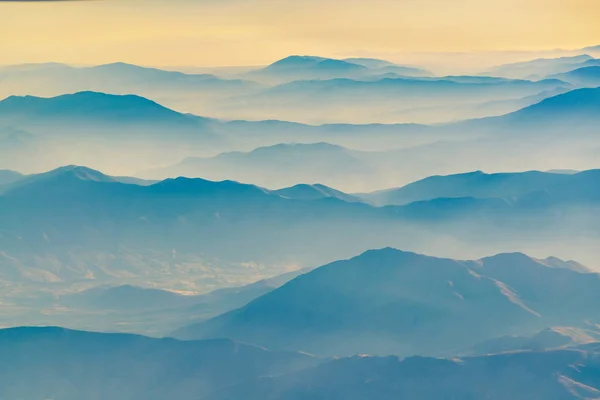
point(588, 76)
point(333, 100)
point(481, 185)
point(577, 109)
point(42, 131)
point(296, 68)
point(278, 166)
point(393, 302)
point(539, 68)
point(54, 79)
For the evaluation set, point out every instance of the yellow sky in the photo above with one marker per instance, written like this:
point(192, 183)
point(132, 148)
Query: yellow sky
point(251, 32)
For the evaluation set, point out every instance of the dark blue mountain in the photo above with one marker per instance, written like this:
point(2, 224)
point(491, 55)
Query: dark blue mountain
point(578, 109)
point(75, 365)
point(588, 76)
point(84, 218)
point(90, 107)
point(393, 302)
point(481, 185)
point(571, 374)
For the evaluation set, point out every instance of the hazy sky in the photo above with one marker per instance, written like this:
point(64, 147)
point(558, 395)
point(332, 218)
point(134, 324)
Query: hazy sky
point(250, 32)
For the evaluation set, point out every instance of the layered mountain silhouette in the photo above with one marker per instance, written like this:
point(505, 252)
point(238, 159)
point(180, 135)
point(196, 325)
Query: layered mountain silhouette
point(337, 99)
point(393, 302)
point(540, 67)
point(278, 166)
point(53, 79)
point(588, 76)
point(577, 109)
point(80, 217)
point(74, 365)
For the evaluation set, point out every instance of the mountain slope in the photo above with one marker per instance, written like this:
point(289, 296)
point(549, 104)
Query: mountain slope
point(481, 185)
point(64, 226)
point(583, 77)
point(577, 108)
point(319, 101)
point(538, 68)
point(554, 375)
point(74, 365)
point(392, 302)
point(8, 176)
point(118, 78)
point(314, 192)
point(89, 107)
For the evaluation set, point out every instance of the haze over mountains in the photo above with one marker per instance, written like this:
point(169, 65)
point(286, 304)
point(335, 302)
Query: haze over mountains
point(274, 222)
point(39, 133)
point(75, 224)
point(290, 88)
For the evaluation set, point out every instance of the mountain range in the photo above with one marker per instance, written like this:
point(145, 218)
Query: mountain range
point(88, 366)
point(76, 224)
point(588, 76)
point(42, 131)
point(540, 68)
point(378, 99)
point(481, 185)
point(280, 165)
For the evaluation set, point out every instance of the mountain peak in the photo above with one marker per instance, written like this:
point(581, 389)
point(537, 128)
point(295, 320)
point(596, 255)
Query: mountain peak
point(61, 175)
